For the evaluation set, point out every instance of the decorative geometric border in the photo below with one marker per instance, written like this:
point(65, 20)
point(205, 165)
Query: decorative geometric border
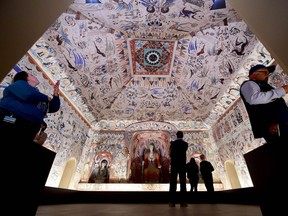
point(151, 57)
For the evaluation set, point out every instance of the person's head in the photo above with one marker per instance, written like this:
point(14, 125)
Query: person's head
point(192, 160)
point(202, 157)
point(179, 134)
point(25, 76)
point(260, 72)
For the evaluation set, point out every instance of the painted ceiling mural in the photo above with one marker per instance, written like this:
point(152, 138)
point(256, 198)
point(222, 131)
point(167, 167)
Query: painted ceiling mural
point(143, 60)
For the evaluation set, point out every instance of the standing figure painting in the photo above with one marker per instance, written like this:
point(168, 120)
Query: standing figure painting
point(151, 165)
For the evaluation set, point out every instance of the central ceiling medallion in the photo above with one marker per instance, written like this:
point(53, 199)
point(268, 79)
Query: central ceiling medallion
point(151, 57)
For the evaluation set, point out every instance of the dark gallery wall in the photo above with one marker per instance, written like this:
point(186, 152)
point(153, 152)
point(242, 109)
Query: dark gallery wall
point(22, 23)
point(268, 20)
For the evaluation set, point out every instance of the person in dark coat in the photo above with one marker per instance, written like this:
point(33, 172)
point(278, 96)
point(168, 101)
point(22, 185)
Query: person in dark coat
point(206, 170)
point(265, 105)
point(192, 170)
point(178, 149)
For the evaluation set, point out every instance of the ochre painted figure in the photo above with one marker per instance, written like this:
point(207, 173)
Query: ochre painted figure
point(152, 165)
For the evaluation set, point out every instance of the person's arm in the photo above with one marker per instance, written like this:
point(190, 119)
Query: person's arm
point(253, 95)
point(211, 167)
point(170, 149)
point(54, 103)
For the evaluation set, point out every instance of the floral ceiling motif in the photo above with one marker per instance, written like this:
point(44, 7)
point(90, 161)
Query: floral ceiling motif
point(203, 50)
point(151, 57)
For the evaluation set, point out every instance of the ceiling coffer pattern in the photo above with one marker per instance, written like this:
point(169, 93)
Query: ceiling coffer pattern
point(87, 48)
point(151, 57)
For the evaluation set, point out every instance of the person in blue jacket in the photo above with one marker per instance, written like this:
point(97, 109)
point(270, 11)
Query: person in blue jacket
point(23, 107)
point(25, 164)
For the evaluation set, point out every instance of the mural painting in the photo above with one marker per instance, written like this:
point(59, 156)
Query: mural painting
point(100, 169)
point(150, 157)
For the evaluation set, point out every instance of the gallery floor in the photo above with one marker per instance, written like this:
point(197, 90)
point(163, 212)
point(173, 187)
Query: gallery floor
point(105, 209)
point(58, 202)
